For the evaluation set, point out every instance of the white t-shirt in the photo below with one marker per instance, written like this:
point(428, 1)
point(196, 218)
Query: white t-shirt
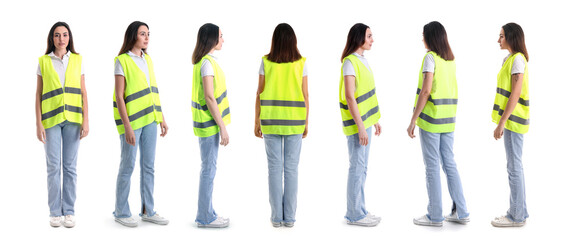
point(348, 68)
point(206, 68)
point(140, 62)
point(60, 66)
point(518, 65)
point(262, 71)
point(429, 64)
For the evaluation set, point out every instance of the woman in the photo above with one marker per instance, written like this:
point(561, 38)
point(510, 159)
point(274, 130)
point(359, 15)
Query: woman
point(511, 113)
point(281, 118)
point(137, 111)
point(61, 110)
point(211, 114)
point(360, 110)
point(435, 114)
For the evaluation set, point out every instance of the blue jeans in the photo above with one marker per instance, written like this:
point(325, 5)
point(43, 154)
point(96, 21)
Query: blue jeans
point(514, 150)
point(208, 155)
point(146, 138)
point(359, 156)
point(283, 153)
point(437, 150)
point(62, 201)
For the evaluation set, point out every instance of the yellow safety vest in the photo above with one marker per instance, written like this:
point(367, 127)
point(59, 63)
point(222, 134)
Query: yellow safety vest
point(57, 103)
point(519, 120)
point(365, 97)
point(142, 101)
point(439, 113)
point(283, 109)
point(203, 123)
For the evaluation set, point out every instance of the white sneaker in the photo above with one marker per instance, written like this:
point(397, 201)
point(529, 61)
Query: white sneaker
point(453, 217)
point(218, 223)
point(374, 217)
point(55, 221)
point(503, 221)
point(367, 221)
point(289, 224)
point(128, 222)
point(69, 221)
point(276, 224)
point(155, 219)
point(425, 221)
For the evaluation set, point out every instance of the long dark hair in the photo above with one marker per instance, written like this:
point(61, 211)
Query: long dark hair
point(356, 38)
point(51, 44)
point(436, 39)
point(207, 39)
point(284, 45)
point(131, 36)
point(515, 38)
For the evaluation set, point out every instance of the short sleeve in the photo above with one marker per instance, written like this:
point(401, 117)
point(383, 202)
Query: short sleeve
point(305, 69)
point(261, 68)
point(348, 68)
point(428, 64)
point(518, 65)
point(206, 68)
point(118, 70)
point(38, 70)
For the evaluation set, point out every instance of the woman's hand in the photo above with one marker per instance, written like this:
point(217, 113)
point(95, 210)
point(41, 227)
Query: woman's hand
point(130, 136)
point(363, 135)
point(411, 129)
point(164, 128)
point(306, 131)
point(257, 130)
point(377, 129)
point(84, 129)
point(41, 133)
point(224, 138)
point(498, 132)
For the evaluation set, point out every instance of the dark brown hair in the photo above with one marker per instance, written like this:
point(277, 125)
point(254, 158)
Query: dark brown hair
point(207, 39)
point(436, 39)
point(131, 36)
point(515, 38)
point(51, 44)
point(284, 45)
point(356, 38)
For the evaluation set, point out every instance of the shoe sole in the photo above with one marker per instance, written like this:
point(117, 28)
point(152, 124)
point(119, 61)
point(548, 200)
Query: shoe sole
point(55, 225)
point(460, 221)
point(212, 226)
point(156, 222)
point(69, 225)
point(428, 224)
point(363, 224)
point(507, 225)
point(126, 224)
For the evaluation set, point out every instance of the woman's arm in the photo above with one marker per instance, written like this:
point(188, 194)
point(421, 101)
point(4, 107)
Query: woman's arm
point(260, 87)
point(350, 88)
point(421, 102)
point(306, 97)
point(85, 126)
point(120, 85)
point(39, 126)
point(208, 85)
point(516, 87)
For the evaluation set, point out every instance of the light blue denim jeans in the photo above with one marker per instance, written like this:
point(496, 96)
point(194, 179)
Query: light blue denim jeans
point(283, 153)
point(146, 138)
point(437, 150)
point(62, 138)
point(208, 155)
point(359, 156)
point(514, 150)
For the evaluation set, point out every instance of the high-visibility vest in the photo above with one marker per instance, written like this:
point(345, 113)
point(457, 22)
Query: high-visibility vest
point(519, 120)
point(283, 110)
point(439, 113)
point(142, 101)
point(365, 97)
point(203, 122)
point(57, 103)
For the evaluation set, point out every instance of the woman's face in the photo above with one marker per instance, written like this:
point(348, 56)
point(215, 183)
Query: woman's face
point(220, 41)
point(143, 37)
point(502, 42)
point(368, 40)
point(61, 38)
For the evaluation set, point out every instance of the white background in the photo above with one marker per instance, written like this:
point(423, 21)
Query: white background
point(395, 187)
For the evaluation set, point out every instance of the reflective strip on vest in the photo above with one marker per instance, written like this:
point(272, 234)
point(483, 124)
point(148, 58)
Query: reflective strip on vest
point(211, 122)
point(512, 117)
point(360, 99)
point(507, 94)
point(364, 117)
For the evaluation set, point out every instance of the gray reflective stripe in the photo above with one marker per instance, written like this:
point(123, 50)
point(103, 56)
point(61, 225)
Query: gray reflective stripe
point(204, 107)
point(154, 90)
point(72, 90)
point(513, 118)
point(137, 115)
point(282, 103)
point(157, 108)
point(432, 120)
point(115, 105)
point(58, 110)
point(281, 122)
point(360, 99)
point(508, 94)
point(51, 94)
point(440, 101)
point(211, 122)
point(364, 117)
point(137, 95)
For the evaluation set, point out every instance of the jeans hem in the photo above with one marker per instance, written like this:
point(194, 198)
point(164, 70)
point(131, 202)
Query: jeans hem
point(357, 219)
point(205, 223)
